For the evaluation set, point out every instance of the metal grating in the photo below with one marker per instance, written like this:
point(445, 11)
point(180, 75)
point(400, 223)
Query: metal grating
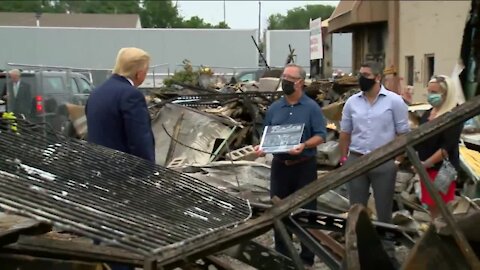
point(108, 195)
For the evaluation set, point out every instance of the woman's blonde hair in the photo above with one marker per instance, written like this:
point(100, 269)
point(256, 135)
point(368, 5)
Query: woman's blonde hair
point(130, 61)
point(450, 91)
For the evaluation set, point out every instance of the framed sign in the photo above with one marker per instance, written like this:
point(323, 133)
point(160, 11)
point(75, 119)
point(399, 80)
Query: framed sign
point(281, 138)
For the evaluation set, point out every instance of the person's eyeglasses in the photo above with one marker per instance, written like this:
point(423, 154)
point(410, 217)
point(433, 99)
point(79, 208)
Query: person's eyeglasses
point(366, 75)
point(441, 80)
point(290, 78)
point(438, 78)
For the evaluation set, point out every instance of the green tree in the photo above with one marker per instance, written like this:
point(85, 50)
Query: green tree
point(98, 6)
point(160, 14)
point(70, 6)
point(222, 25)
point(195, 22)
point(299, 18)
point(73, 6)
point(25, 6)
point(116, 7)
point(153, 13)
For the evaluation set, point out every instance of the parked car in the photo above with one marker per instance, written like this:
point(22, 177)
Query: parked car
point(256, 74)
point(50, 91)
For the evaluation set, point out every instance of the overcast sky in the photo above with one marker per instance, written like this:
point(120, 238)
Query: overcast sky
point(240, 14)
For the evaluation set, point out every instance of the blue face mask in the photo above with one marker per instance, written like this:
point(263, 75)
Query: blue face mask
point(435, 99)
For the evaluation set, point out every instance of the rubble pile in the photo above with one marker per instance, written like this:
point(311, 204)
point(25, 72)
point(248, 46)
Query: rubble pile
point(235, 167)
point(206, 128)
point(245, 103)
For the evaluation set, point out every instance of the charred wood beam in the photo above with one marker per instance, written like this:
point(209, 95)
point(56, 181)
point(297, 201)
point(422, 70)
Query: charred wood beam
point(288, 61)
point(16, 262)
point(151, 264)
point(441, 251)
point(313, 245)
point(70, 250)
point(41, 248)
point(260, 53)
point(363, 247)
point(291, 55)
point(254, 113)
point(336, 178)
point(470, 53)
point(11, 227)
point(328, 241)
point(287, 240)
point(217, 263)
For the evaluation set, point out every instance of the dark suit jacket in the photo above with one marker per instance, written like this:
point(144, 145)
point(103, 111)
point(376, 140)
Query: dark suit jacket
point(118, 118)
point(23, 102)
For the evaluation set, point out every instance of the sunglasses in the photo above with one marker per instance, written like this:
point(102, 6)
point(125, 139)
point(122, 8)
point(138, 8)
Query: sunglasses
point(440, 80)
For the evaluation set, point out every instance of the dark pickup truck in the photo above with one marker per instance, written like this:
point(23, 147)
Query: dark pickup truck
point(50, 91)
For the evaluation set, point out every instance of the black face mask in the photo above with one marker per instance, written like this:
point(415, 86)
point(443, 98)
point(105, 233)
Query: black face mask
point(365, 83)
point(288, 87)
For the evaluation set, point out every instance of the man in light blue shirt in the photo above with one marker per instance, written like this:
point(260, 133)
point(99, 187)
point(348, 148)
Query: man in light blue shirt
point(371, 119)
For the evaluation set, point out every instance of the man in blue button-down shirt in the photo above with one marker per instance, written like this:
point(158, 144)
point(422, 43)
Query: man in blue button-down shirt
point(371, 119)
point(293, 170)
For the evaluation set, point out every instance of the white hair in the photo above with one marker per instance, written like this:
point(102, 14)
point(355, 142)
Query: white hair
point(14, 71)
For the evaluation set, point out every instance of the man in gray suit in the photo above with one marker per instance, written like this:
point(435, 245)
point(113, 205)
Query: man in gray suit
point(18, 94)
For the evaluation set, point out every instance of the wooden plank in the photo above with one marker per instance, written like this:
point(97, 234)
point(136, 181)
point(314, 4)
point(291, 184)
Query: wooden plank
point(352, 260)
point(16, 262)
point(41, 246)
point(218, 263)
point(433, 252)
point(336, 178)
point(363, 247)
point(12, 226)
point(328, 241)
point(287, 241)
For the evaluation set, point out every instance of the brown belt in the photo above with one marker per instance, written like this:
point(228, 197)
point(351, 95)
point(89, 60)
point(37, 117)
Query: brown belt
point(291, 162)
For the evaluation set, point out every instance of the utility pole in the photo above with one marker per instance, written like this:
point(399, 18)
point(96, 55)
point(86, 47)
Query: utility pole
point(224, 13)
point(259, 20)
point(38, 15)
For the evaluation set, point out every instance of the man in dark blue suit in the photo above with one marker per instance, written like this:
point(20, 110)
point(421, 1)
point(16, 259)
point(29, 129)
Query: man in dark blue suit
point(117, 114)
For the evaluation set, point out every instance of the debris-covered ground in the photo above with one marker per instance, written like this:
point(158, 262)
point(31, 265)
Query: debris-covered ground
point(206, 128)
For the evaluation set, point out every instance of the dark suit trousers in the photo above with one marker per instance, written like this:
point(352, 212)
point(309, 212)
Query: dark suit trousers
point(285, 180)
